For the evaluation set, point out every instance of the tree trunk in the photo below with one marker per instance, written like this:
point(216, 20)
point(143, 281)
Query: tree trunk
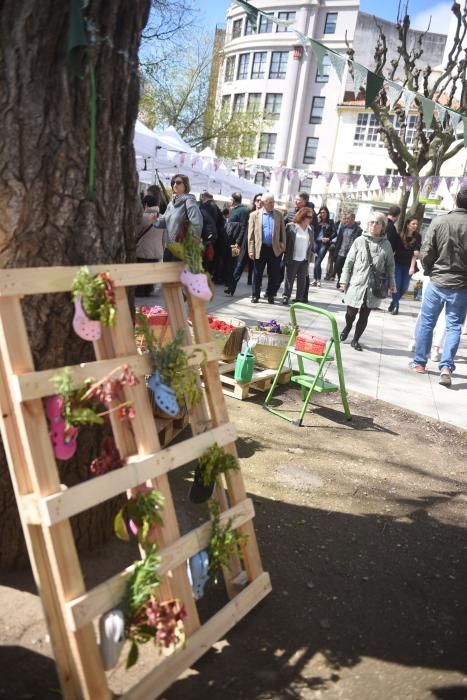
point(45, 215)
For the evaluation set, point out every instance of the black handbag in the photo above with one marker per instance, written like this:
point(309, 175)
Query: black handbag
point(378, 283)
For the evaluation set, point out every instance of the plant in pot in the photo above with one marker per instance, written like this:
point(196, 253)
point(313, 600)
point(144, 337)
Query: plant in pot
point(146, 618)
point(213, 462)
point(70, 408)
point(193, 277)
point(94, 298)
point(173, 382)
point(224, 543)
point(141, 515)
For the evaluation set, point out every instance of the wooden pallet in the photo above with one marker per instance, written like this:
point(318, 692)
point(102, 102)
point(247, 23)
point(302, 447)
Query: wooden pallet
point(261, 380)
point(168, 428)
point(46, 506)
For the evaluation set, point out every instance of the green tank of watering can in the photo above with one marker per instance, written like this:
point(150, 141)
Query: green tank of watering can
point(244, 366)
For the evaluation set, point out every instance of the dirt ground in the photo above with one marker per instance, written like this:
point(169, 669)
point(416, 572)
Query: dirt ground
point(362, 526)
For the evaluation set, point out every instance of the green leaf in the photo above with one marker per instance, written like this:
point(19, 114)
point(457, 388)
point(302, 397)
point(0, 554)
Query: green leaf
point(133, 654)
point(120, 527)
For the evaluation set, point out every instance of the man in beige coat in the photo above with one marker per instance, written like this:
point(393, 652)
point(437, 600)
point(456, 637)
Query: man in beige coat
point(266, 243)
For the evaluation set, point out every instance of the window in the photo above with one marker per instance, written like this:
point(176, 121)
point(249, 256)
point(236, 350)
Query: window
point(317, 108)
point(254, 101)
point(278, 64)
point(273, 104)
point(322, 76)
point(267, 145)
point(239, 102)
point(366, 132)
point(225, 104)
point(410, 130)
point(243, 63)
point(259, 64)
point(391, 171)
point(330, 24)
point(311, 148)
point(288, 17)
point(250, 28)
point(229, 68)
point(354, 169)
point(265, 24)
point(263, 179)
point(237, 28)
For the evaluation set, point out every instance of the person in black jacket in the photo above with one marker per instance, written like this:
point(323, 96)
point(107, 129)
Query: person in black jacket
point(243, 258)
point(325, 235)
point(406, 249)
point(346, 236)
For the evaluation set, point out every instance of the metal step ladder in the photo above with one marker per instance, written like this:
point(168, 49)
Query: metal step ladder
point(316, 382)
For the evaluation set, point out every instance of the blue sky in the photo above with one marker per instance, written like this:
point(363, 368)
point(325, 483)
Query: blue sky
point(214, 11)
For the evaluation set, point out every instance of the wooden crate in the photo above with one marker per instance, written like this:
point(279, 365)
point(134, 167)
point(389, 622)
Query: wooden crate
point(46, 507)
point(260, 381)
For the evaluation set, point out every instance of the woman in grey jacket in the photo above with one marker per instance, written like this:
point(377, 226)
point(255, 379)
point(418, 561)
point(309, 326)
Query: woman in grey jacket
point(355, 276)
point(182, 209)
point(298, 253)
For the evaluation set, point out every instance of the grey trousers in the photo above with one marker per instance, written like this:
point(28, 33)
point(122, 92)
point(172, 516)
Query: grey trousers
point(299, 270)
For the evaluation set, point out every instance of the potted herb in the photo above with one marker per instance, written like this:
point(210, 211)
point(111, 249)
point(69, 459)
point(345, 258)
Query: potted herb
point(224, 542)
point(141, 515)
point(212, 463)
point(149, 619)
point(173, 381)
point(190, 250)
point(94, 298)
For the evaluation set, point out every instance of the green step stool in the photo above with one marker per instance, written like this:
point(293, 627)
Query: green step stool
point(310, 383)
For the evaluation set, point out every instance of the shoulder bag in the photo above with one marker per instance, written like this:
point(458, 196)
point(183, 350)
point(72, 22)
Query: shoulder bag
point(378, 283)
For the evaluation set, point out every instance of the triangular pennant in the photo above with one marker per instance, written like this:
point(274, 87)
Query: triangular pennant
point(251, 12)
point(408, 100)
point(182, 158)
point(383, 181)
point(408, 181)
point(368, 179)
point(394, 91)
point(354, 178)
point(328, 176)
point(455, 118)
point(319, 50)
point(435, 183)
point(374, 83)
point(448, 182)
point(342, 178)
point(422, 180)
point(462, 183)
point(217, 163)
point(359, 77)
point(305, 41)
point(395, 182)
point(338, 63)
point(428, 107)
point(316, 173)
point(440, 113)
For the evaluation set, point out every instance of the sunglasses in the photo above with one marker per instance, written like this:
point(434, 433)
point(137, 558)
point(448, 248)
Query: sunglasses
point(374, 223)
point(177, 182)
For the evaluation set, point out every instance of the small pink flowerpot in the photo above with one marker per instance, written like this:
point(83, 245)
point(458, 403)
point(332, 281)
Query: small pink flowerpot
point(63, 441)
point(196, 283)
point(83, 326)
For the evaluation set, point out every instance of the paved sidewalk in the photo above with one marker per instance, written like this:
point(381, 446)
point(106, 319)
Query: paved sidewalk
point(381, 370)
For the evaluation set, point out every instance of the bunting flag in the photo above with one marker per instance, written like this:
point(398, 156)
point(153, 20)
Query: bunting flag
point(251, 12)
point(383, 181)
point(359, 77)
point(368, 179)
point(435, 183)
point(342, 178)
point(328, 177)
point(319, 50)
point(408, 182)
point(182, 159)
point(394, 92)
point(422, 180)
point(338, 63)
point(428, 108)
point(304, 40)
point(217, 163)
point(448, 181)
point(408, 100)
point(455, 118)
point(395, 182)
point(440, 113)
point(374, 83)
point(354, 178)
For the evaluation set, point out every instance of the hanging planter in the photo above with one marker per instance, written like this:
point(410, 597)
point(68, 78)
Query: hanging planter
point(148, 619)
point(108, 460)
point(224, 542)
point(173, 382)
point(198, 573)
point(112, 637)
point(94, 298)
point(140, 515)
point(212, 463)
point(190, 250)
point(72, 408)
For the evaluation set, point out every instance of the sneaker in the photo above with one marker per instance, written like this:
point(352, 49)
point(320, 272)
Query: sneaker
point(435, 353)
point(391, 307)
point(445, 377)
point(254, 300)
point(270, 300)
point(416, 367)
point(314, 283)
point(318, 283)
point(285, 300)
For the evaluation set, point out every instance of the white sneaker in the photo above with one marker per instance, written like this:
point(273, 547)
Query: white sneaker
point(435, 353)
point(445, 377)
point(412, 346)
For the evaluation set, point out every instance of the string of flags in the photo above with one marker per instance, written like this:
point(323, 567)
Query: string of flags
point(365, 78)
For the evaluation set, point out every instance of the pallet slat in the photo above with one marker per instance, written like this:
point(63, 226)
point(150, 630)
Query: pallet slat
point(108, 595)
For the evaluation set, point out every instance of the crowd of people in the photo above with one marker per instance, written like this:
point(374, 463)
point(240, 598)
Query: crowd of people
point(366, 265)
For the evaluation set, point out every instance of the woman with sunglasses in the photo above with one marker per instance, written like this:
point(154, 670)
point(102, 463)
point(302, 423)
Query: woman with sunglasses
point(370, 250)
point(406, 247)
point(326, 234)
point(298, 253)
point(181, 211)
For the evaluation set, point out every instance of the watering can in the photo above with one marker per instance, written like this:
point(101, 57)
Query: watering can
point(244, 365)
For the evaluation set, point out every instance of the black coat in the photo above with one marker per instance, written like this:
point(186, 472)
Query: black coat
point(357, 231)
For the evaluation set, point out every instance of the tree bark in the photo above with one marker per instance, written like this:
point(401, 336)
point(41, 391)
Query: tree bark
point(46, 217)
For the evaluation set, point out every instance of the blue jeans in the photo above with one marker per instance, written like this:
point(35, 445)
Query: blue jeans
point(401, 273)
point(321, 249)
point(455, 302)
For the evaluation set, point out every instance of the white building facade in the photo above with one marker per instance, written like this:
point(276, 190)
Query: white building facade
point(314, 126)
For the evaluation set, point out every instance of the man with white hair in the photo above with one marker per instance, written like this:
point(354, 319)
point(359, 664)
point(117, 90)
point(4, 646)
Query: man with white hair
point(266, 243)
